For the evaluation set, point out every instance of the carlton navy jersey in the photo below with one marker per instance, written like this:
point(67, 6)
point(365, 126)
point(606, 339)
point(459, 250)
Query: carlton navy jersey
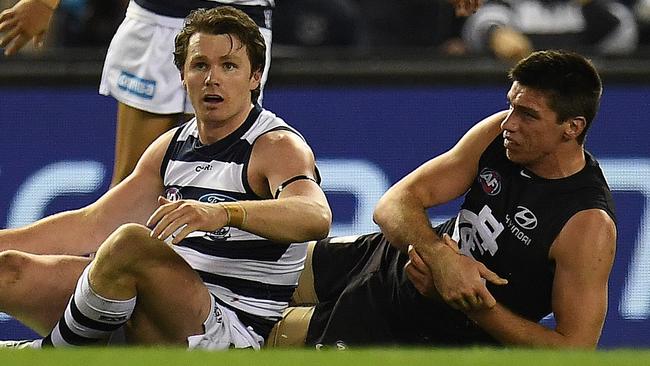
point(246, 272)
point(510, 218)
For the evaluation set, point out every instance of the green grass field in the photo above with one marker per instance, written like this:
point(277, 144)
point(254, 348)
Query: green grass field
point(360, 357)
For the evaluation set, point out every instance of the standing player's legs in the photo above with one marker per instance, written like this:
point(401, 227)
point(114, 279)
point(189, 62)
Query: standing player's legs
point(139, 72)
point(136, 130)
point(268, 38)
point(35, 289)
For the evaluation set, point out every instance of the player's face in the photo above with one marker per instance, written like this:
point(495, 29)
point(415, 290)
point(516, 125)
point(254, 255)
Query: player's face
point(531, 132)
point(218, 80)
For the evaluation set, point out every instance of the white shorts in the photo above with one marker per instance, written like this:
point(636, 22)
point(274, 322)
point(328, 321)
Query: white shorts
point(139, 68)
point(223, 330)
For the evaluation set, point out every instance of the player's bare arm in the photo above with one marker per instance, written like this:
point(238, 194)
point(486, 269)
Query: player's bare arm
point(583, 255)
point(401, 210)
point(299, 213)
point(401, 214)
point(79, 232)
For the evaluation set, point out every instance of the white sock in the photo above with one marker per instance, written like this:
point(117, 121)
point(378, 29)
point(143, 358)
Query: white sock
point(89, 318)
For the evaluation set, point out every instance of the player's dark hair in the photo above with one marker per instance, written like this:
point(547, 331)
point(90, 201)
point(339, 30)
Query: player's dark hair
point(571, 81)
point(224, 20)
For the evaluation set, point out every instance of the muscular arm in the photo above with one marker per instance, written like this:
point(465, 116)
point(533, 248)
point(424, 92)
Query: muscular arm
point(401, 215)
point(583, 253)
point(81, 231)
point(401, 211)
point(300, 213)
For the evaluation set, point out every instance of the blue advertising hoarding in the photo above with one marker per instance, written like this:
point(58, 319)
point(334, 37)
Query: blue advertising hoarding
point(56, 153)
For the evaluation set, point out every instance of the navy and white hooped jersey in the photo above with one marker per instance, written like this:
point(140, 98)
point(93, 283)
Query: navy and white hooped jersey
point(258, 10)
point(248, 273)
point(511, 217)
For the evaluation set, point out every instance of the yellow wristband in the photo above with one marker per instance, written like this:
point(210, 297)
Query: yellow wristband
point(236, 214)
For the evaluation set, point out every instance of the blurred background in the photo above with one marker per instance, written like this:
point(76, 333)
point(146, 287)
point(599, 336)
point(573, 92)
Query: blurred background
point(377, 88)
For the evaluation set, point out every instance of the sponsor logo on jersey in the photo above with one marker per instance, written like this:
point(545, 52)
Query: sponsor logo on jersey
point(202, 167)
point(173, 194)
point(516, 231)
point(224, 232)
point(490, 181)
point(137, 86)
point(218, 315)
point(525, 218)
point(113, 319)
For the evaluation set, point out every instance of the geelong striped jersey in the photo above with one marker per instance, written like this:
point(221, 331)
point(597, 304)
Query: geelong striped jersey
point(252, 275)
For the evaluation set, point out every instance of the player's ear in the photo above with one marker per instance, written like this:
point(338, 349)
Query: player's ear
point(574, 127)
point(256, 79)
point(183, 81)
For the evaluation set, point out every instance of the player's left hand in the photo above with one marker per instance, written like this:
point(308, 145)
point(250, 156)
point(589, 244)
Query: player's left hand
point(25, 21)
point(466, 8)
point(420, 275)
point(186, 216)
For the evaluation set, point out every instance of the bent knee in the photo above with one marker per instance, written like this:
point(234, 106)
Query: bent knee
point(131, 244)
point(13, 265)
point(128, 241)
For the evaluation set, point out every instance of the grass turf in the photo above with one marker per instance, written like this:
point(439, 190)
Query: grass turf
point(357, 357)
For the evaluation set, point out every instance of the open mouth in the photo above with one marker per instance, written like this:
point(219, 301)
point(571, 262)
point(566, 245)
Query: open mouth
point(212, 99)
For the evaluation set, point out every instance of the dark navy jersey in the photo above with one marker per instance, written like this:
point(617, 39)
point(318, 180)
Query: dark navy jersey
point(511, 217)
point(509, 220)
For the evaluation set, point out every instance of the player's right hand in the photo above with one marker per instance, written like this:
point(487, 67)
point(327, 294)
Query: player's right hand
point(25, 21)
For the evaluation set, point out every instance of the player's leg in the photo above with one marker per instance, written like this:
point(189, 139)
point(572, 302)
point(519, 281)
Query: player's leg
point(267, 34)
point(305, 294)
point(172, 301)
point(330, 265)
point(35, 289)
point(139, 72)
point(136, 130)
point(291, 330)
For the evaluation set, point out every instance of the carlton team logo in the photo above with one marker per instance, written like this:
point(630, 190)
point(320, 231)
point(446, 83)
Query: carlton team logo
point(490, 181)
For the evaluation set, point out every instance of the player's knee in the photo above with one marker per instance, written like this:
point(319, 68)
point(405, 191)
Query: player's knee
point(13, 265)
point(127, 244)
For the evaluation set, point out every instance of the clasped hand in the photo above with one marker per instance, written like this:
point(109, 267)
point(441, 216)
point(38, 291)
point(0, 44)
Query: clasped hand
point(458, 279)
point(186, 216)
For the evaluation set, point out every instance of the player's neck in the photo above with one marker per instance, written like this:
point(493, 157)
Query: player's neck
point(213, 131)
point(560, 164)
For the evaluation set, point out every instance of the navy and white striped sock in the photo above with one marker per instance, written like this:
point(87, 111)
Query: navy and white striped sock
point(89, 319)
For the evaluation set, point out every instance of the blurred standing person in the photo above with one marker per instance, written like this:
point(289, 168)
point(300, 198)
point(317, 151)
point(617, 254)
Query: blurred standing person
point(138, 70)
point(513, 29)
